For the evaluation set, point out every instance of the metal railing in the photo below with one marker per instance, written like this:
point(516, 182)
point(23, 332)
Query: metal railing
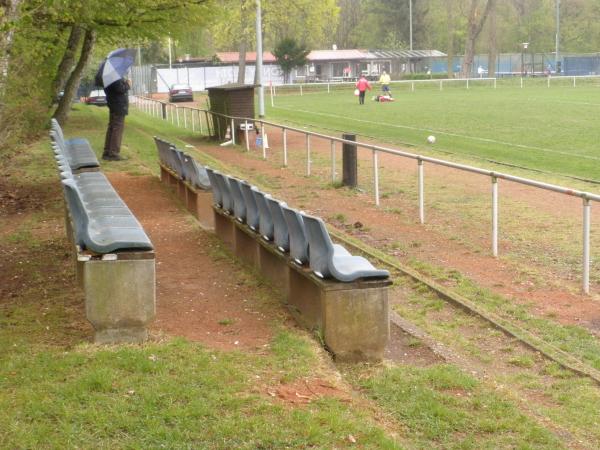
point(439, 83)
point(172, 111)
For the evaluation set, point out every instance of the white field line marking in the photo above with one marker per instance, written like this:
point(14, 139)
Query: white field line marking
point(428, 130)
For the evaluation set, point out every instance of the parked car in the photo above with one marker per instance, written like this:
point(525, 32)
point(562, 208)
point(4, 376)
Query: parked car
point(96, 97)
point(181, 93)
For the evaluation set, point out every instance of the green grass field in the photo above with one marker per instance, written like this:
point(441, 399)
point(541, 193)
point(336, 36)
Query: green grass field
point(548, 129)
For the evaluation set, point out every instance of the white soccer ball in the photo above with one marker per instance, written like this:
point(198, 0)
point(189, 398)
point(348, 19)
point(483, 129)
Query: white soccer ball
point(431, 139)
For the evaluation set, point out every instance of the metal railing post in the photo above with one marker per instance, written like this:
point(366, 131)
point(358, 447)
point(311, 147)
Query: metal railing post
point(412, 85)
point(586, 245)
point(264, 133)
point(467, 83)
point(521, 82)
point(332, 161)
point(185, 118)
point(376, 176)
point(177, 115)
point(233, 131)
point(300, 90)
point(574, 82)
point(548, 81)
point(494, 83)
point(172, 115)
point(494, 216)
point(420, 184)
point(192, 119)
point(328, 88)
point(199, 121)
point(308, 155)
point(246, 135)
point(441, 85)
point(285, 155)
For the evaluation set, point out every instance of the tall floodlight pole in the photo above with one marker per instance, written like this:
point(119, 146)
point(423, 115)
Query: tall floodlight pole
point(170, 53)
point(259, 60)
point(410, 23)
point(556, 54)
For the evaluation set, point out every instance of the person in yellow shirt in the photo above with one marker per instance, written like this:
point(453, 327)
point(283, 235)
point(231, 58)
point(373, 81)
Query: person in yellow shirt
point(385, 79)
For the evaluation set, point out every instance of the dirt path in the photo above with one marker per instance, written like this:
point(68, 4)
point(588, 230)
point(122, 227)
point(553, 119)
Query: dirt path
point(557, 296)
point(201, 294)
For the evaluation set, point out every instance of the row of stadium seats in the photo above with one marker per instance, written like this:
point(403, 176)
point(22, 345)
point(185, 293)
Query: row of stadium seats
point(305, 238)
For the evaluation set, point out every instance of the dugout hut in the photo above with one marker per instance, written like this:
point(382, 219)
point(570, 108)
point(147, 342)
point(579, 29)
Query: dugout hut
point(233, 100)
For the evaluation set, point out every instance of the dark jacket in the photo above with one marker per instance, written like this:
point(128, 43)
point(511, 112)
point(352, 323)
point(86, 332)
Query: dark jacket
point(117, 98)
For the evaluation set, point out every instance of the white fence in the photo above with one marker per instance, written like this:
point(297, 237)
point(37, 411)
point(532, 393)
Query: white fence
point(203, 122)
point(201, 78)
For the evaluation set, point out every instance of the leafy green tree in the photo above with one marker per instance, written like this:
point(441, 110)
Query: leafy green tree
point(290, 55)
point(39, 47)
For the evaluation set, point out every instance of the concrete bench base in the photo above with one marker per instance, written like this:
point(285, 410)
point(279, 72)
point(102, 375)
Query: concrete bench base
point(352, 318)
point(274, 267)
point(197, 201)
point(120, 295)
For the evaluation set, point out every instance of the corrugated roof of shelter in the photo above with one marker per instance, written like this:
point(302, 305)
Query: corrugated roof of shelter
point(329, 55)
point(404, 53)
point(234, 57)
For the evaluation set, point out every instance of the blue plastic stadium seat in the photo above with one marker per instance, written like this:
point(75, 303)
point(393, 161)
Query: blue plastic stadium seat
point(163, 148)
point(78, 151)
point(226, 198)
point(333, 261)
point(177, 157)
point(281, 237)
point(265, 221)
point(252, 215)
point(101, 231)
point(200, 180)
point(239, 205)
point(297, 234)
point(216, 189)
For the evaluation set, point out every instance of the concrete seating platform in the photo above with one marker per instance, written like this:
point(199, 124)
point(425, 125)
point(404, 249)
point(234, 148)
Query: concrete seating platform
point(113, 257)
point(190, 180)
point(343, 297)
point(340, 296)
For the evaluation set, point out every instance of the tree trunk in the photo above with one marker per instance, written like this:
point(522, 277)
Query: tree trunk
point(10, 14)
point(475, 24)
point(493, 48)
point(68, 60)
point(64, 106)
point(241, 79)
point(450, 49)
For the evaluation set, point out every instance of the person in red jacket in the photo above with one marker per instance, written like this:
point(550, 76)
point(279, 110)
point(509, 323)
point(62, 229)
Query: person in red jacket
point(362, 85)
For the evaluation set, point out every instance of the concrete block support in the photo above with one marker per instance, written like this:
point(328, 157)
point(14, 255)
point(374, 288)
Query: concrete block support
point(120, 298)
point(224, 228)
point(200, 203)
point(304, 299)
point(356, 323)
point(246, 244)
point(181, 191)
point(352, 318)
point(274, 267)
point(164, 175)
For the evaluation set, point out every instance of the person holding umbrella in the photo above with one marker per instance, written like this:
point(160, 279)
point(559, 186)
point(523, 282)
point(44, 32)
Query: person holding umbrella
point(111, 75)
